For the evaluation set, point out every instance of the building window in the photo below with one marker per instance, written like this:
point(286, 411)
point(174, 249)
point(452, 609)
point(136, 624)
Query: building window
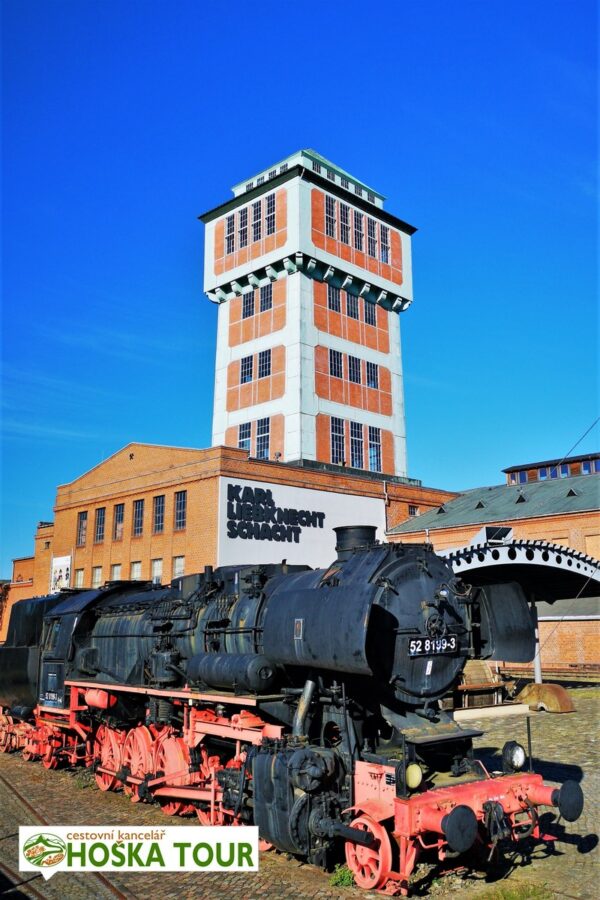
point(597, 465)
point(180, 510)
point(586, 467)
point(336, 369)
point(330, 175)
point(513, 478)
point(115, 572)
point(260, 180)
point(230, 234)
point(81, 528)
point(523, 477)
point(256, 221)
point(247, 304)
point(118, 517)
point(370, 313)
point(138, 517)
point(96, 576)
point(372, 238)
point(78, 578)
point(553, 472)
point(542, 473)
point(99, 525)
point(316, 166)
point(262, 439)
point(358, 190)
point(156, 570)
point(266, 297)
point(244, 436)
point(374, 449)
point(283, 168)
point(372, 375)
point(344, 223)
point(356, 445)
point(246, 370)
point(358, 230)
point(345, 184)
point(264, 363)
point(243, 227)
point(333, 298)
point(272, 174)
point(564, 470)
point(250, 185)
point(351, 306)
point(384, 231)
point(329, 216)
point(158, 514)
point(354, 369)
point(178, 566)
point(413, 510)
point(135, 570)
point(371, 197)
point(337, 440)
point(270, 214)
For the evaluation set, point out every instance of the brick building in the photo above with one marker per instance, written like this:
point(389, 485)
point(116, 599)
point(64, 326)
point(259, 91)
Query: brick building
point(553, 500)
point(310, 274)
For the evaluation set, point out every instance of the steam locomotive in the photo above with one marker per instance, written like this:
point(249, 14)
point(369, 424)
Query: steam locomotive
point(304, 701)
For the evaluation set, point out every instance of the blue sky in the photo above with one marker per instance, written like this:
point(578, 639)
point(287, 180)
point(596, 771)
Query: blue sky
point(122, 122)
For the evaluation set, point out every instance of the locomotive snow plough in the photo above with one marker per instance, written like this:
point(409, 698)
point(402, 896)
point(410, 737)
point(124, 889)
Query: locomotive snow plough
point(303, 701)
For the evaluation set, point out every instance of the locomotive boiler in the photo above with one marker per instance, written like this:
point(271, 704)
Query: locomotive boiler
point(303, 701)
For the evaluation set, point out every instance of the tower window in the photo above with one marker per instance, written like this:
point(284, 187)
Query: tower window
point(178, 566)
point(564, 470)
point(356, 445)
point(264, 363)
point(354, 369)
point(333, 298)
point(230, 234)
point(372, 375)
point(358, 190)
point(248, 305)
point(244, 435)
point(330, 175)
point(262, 438)
point(246, 366)
point(243, 227)
point(270, 214)
point(283, 168)
point(138, 517)
point(371, 197)
point(180, 510)
point(413, 510)
point(329, 216)
point(586, 467)
point(372, 238)
point(374, 449)
point(81, 528)
point(337, 440)
point(351, 306)
point(385, 243)
point(344, 223)
point(118, 516)
point(336, 369)
point(96, 576)
point(260, 180)
point(358, 231)
point(316, 166)
point(370, 313)
point(256, 221)
point(266, 297)
point(99, 525)
point(542, 473)
point(156, 571)
point(272, 173)
point(345, 183)
point(158, 514)
point(250, 185)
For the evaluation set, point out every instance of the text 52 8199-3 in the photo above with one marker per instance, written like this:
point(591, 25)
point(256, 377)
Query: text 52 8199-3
point(426, 646)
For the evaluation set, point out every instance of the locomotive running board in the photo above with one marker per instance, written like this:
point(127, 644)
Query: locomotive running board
point(183, 694)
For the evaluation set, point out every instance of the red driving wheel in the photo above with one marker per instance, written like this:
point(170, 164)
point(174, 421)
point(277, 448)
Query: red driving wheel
point(108, 754)
point(137, 757)
point(371, 866)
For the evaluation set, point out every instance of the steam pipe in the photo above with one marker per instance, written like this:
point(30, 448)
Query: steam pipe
point(303, 705)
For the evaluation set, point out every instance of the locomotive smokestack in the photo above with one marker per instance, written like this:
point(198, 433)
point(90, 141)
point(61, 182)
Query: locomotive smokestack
point(349, 537)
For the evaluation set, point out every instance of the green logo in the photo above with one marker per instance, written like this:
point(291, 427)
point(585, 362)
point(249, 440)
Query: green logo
point(44, 850)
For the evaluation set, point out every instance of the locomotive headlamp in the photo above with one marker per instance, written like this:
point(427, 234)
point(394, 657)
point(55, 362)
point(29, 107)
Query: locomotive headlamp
point(413, 775)
point(513, 757)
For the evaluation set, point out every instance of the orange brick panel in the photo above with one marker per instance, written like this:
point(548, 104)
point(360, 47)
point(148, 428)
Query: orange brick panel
point(387, 452)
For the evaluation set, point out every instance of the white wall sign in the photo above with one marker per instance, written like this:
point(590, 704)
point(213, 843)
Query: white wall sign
point(265, 523)
point(60, 576)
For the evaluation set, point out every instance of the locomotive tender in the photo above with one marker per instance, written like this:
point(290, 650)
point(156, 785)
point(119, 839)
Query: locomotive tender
point(303, 701)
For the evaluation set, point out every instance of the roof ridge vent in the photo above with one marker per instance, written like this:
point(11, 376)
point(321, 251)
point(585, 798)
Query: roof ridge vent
point(442, 509)
point(521, 498)
point(572, 492)
point(480, 505)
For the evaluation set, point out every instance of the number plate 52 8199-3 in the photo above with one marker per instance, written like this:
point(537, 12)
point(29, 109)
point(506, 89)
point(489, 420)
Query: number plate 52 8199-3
point(426, 646)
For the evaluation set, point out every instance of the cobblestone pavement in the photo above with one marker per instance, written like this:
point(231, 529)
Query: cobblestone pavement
point(563, 747)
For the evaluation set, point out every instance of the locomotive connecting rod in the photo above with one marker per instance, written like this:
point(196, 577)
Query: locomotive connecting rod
point(303, 705)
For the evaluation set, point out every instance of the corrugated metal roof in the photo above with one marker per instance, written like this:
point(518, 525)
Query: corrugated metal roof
point(505, 502)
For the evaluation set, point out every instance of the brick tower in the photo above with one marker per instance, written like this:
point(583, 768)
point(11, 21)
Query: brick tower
point(310, 274)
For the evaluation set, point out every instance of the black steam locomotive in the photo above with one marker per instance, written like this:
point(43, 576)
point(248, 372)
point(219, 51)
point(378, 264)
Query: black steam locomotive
point(303, 701)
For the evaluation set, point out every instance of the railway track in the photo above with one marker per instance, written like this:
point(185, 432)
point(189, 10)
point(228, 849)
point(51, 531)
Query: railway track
point(18, 879)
